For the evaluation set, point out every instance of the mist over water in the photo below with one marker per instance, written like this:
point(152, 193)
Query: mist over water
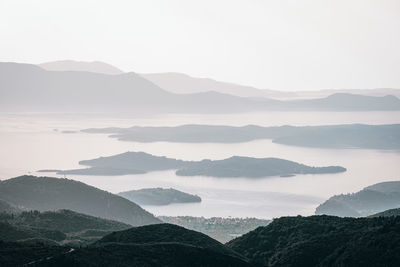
point(31, 142)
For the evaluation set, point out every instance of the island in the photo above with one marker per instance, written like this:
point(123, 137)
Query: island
point(141, 162)
point(370, 200)
point(331, 136)
point(159, 196)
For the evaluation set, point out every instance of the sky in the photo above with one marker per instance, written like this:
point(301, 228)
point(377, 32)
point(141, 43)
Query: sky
point(277, 44)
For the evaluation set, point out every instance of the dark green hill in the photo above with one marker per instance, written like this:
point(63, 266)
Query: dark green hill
point(152, 245)
point(140, 162)
point(63, 226)
point(66, 221)
point(372, 199)
point(166, 233)
point(47, 194)
point(323, 241)
point(9, 232)
point(18, 254)
point(159, 196)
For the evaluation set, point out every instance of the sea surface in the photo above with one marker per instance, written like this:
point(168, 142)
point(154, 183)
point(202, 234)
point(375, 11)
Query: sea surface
point(34, 141)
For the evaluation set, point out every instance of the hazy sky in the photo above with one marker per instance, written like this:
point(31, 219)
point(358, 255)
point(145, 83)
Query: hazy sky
point(278, 44)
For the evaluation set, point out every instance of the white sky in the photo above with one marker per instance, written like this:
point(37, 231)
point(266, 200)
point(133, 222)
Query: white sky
point(277, 44)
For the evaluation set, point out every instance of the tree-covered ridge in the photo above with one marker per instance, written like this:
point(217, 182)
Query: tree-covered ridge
point(66, 221)
point(141, 162)
point(62, 226)
point(152, 245)
point(323, 241)
point(49, 194)
point(372, 199)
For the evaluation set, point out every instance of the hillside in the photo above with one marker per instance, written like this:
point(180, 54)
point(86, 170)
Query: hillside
point(66, 221)
point(10, 232)
point(372, 199)
point(7, 208)
point(19, 253)
point(159, 196)
point(140, 162)
point(323, 241)
point(153, 245)
point(63, 226)
point(48, 194)
point(332, 136)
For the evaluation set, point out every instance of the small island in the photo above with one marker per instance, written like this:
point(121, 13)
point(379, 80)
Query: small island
point(246, 167)
point(159, 196)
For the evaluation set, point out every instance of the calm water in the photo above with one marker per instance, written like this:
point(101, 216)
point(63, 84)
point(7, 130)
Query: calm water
point(31, 142)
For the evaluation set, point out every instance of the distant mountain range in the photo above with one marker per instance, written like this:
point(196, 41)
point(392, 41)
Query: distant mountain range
point(72, 65)
point(372, 199)
point(159, 196)
point(28, 87)
point(141, 162)
point(332, 136)
point(49, 194)
point(181, 83)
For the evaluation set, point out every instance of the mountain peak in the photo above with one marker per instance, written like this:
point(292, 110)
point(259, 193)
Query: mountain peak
point(72, 65)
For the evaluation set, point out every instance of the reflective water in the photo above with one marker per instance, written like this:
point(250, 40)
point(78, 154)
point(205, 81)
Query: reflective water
point(30, 142)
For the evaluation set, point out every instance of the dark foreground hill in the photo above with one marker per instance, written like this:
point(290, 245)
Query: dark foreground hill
point(49, 194)
point(159, 196)
point(372, 199)
point(153, 245)
point(140, 162)
point(331, 136)
point(62, 227)
point(323, 241)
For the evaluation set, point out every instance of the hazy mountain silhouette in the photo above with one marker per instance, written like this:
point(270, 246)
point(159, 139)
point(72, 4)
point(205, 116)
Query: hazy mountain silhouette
point(28, 87)
point(372, 199)
point(72, 65)
point(182, 83)
point(140, 162)
point(332, 136)
point(323, 241)
point(159, 196)
point(47, 194)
